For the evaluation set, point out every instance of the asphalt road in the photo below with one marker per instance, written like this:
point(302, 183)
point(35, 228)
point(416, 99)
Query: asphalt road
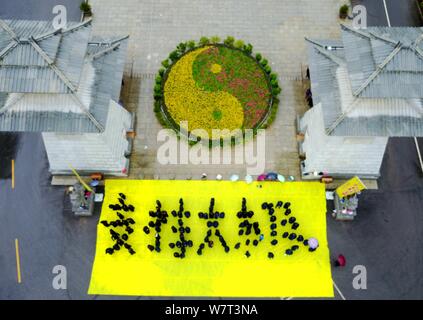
point(387, 234)
point(400, 12)
point(38, 9)
point(33, 214)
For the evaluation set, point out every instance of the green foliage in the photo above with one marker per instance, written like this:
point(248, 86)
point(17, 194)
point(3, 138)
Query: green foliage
point(274, 83)
point(264, 62)
point(258, 57)
point(248, 48)
point(215, 39)
point(158, 90)
point(268, 69)
point(343, 10)
point(204, 41)
point(174, 55)
point(239, 44)
point(273, 76)
point(162, 71)
point(85, 7)
point(273, 111)
point(157, 106)
point(276, 91)
point(182, 47)
point(191, 44)
point(165, 63)
point(159, 79)
point(229, 41)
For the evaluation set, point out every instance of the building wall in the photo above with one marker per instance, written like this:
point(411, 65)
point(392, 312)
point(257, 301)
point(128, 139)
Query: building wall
point(337, 155)
point(91, 152)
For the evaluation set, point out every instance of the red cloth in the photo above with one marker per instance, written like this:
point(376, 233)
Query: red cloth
point(341, 260)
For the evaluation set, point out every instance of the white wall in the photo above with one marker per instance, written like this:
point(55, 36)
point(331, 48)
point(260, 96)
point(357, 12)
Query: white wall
point(92, 152)
point(339, 156)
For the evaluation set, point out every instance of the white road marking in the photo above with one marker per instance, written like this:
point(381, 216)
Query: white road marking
point(339, 291)
point(418, 152)
point(386, 12)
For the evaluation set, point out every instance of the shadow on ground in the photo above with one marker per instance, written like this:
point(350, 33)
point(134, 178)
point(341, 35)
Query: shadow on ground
point(9, 143)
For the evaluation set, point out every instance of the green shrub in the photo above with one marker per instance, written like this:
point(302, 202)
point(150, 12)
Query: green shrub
point(258, 57)
point(343, 11)
point(191, 44)
point(174, 55)
point(239, 44)
point(157, 106)
point(215, 39)
point(274, 83)
point(159, 79)
point(248, 48)
point(268, 69)
point(276, 91)
point(165, 63)
point(229, 41)
point(273, 76)
point(157, 88)
point(182, 47)
point(204, 41)
point(264, 62)
point(85, 7)
point(162, 71)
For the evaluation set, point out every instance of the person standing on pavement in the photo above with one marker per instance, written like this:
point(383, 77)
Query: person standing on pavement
point(340, 261)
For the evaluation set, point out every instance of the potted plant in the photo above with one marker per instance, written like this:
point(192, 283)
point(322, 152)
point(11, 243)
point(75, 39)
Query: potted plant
point(343, 11)
point(85, 8)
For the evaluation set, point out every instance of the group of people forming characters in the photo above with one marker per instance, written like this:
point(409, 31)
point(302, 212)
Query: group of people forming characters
point(120, 239)
point(248, 229)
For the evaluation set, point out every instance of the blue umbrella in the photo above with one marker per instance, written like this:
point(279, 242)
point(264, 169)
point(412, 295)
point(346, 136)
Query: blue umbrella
point(272, 176)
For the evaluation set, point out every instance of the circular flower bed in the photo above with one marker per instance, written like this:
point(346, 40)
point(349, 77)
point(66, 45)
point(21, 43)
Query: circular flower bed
point(212, 85)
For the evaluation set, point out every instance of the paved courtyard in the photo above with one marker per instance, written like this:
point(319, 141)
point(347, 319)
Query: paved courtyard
point(276, 28)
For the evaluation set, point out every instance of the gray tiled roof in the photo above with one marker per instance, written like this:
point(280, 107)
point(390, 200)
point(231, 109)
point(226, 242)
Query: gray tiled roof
point(385, 62)
point(24, 69)
point(335, 71)
point(70, 95)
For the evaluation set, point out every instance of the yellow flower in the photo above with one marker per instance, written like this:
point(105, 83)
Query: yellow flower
point(185, 101)
point(216, 68)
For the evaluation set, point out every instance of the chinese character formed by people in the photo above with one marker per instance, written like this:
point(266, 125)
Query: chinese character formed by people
point(160, 217)
point(246, 228)
point(120, 239)
point(212, 218)
point(183, 230)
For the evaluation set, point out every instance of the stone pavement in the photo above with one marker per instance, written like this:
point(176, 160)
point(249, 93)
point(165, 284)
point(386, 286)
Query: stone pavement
point(276, 28)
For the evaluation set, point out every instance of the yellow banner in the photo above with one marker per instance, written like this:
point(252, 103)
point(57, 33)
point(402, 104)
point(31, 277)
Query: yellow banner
point(216, 272)
point(352, 186)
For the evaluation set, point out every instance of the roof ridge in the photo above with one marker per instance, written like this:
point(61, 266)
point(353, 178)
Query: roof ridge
point(105, 51)
point(12, 45)
point(61, 30)
point(379, 69)
point(66, 81)
point(9, 30)
point(330, 56)
point(6, 107)
point(369, 34)
point(110, 42)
